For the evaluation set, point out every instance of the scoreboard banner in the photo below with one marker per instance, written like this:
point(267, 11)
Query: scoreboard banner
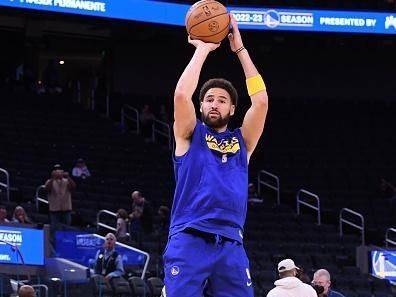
point(248, 18)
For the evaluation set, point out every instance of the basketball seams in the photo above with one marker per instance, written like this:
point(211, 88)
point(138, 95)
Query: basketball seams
point(192, 8)
point(211, 35)
point(203, 4)
point(208, 20)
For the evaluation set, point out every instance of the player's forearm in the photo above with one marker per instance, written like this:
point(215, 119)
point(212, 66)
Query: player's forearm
point(188, 81)
point(251, 71)
point(247, 64)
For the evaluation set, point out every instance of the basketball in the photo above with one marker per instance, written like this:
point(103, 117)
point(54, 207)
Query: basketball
point(208, 20)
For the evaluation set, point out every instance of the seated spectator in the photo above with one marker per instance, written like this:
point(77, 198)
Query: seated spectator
point(322, 282)
point(3, 214)
point(80, 170)
point(122, 219)
point(108, 262)
point(20, 216)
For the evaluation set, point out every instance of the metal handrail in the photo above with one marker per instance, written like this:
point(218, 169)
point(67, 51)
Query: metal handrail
point(387, 239)
point(38, 198)
point(275, 187)
point(135, 119)
point(41, 286)
point(103, 225)
point(6, 185)
point(160, 131)
point(350, 223)
point(307, 204)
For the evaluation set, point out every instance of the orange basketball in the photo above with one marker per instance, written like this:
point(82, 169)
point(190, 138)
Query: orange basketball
point(208, 20)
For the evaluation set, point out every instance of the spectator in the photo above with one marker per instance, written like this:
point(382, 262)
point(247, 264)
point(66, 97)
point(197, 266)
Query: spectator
point(163, 213)
point(26, 291)
point(122, 219)
point(59, 188)
point(288, 284)
point(163, 114)
point(321, 279)
point(3, 215)
point(388, 192)
point(80, 170)
point(108, 262)
point(20, 216)
point(51, 77)
point(303, 276)
point(146, 120)
point(142, 211)
point(252, 194)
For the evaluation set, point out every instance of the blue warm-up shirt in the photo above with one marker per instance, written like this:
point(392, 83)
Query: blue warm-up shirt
point(211, 184)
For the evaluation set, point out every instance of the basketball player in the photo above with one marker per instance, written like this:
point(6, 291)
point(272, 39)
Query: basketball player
point(211, 167)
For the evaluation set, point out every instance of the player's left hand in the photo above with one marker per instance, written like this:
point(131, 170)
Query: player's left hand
point(235, 36)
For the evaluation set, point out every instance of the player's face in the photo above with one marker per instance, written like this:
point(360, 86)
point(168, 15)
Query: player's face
point(322, 281)
point(217, 108)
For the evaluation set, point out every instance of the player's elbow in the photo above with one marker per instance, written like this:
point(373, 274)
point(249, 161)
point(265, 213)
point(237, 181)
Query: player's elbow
point(180, 95)
point(261, 101)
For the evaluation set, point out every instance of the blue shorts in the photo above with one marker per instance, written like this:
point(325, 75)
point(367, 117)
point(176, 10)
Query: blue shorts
point(194, 264)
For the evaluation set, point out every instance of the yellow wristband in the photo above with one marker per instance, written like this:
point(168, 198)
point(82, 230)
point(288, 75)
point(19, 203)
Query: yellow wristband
point(255, 84)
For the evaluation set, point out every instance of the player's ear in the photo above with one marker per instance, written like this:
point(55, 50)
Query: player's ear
point(200, 106)
point(232, 111)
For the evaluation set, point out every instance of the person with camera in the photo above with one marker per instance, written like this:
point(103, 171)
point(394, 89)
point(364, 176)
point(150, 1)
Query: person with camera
point(59, 188)
point(288, 284)
point(322, 282)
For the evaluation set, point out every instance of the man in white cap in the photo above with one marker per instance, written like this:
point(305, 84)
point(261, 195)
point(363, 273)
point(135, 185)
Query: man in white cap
point(289, 285)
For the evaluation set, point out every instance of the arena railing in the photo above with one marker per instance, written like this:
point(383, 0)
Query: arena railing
point(40, 199)
point(6, 184)
point(388, 240)
point(130, 113)
point(163, 129)
point(315, 205)
point(38, 287)
point(263, 180)
point(342, 220)
point(104, 225)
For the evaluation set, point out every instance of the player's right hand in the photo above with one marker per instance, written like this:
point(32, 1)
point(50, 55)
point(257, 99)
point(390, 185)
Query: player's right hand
point(199, 43)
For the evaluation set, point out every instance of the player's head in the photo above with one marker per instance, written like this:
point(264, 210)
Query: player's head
point(322, 278)
point(218, 100)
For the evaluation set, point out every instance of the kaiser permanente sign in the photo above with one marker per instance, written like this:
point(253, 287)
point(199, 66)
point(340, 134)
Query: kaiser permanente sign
point(248, 18)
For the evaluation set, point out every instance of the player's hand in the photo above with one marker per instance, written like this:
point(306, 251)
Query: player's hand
point(200, 44)
point(235, 36)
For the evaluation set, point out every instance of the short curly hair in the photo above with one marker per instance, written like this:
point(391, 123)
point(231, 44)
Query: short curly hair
point(222, 84)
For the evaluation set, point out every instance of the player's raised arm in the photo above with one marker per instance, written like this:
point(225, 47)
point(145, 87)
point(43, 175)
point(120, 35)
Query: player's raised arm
point(185, 117)
point(253, 123)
